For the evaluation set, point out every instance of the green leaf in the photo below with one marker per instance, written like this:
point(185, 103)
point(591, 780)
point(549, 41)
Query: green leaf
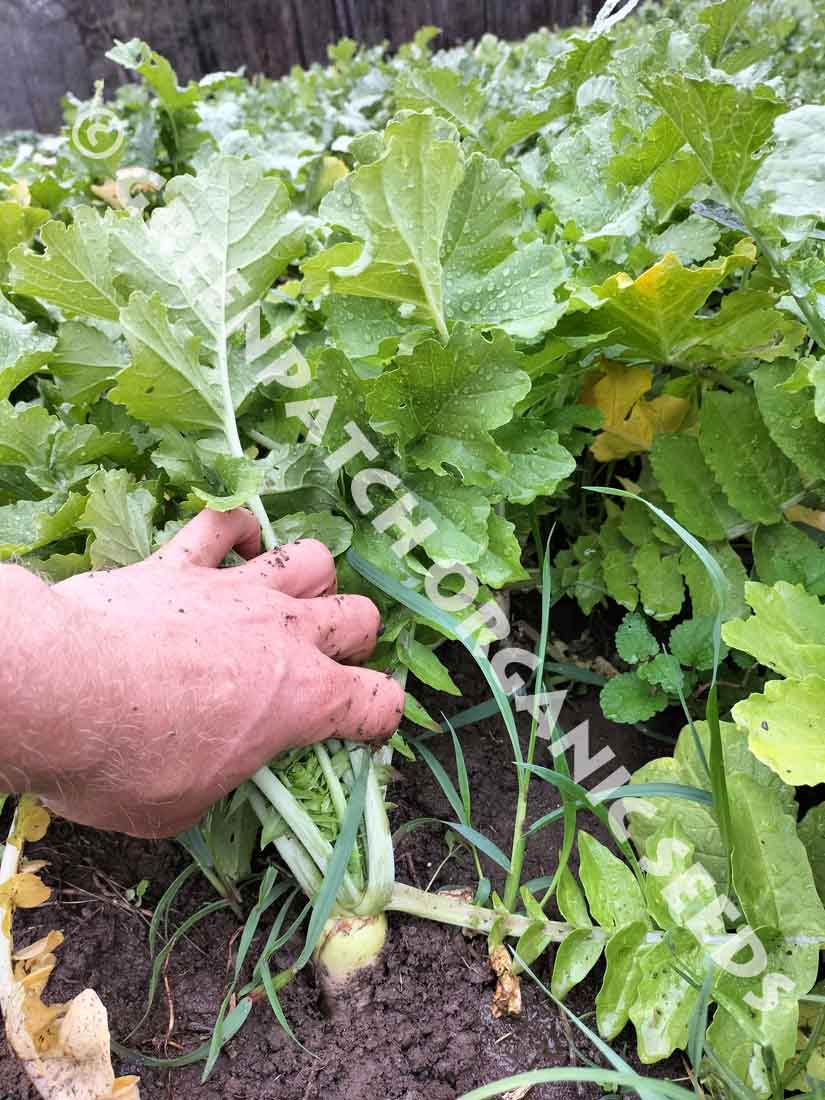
point(240, 479)
point(634, 642)
point(490, 277)
point(458, 515)
point(812, 834)
point(213, 250)
point(75, 272)
point(500, 564)
point(440, 233)
point(570, 901)
point(660, 582)
point(444, 92)
point(30, 524)
point(627, 698)
point(613, 893)
point(576, 956)
point(120, 518)
point(398, 207)
point(790, 419)
point(334, 532)
point(771, 873)
point(24, 349)
point(786, 631)
point(680, 892)
point(166, 384)
point(538, 462)
point(792, 176)
point(442, 402)
point(156, 71)
point(25, 433)
point(688, 484)
point(755, 475)
point(702, 595)
point(663, 672)
point(625, 956)
point(664, 1002)
point(425, 665)
point(783, 552)
point(691, 643)
point(784, 727)
point(18, 224)
point(84, 362)
point(725, 124)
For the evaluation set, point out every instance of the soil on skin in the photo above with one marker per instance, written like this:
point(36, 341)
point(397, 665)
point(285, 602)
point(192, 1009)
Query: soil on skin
point(419, 1029)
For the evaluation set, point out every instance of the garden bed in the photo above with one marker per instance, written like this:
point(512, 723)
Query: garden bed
point(421, 1028)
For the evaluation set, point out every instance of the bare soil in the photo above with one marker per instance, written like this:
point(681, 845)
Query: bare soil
point(419, 1029)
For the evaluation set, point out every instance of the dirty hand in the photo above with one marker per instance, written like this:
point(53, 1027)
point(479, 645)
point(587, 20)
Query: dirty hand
point(159, 687)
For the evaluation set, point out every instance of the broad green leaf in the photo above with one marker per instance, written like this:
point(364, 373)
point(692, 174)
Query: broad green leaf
point(702, 595)
point(398, 207)
point(784, 726)
point(688, 484)
point(156, 71)
point(421, 660)
point(679, 890)
point(663, 672)
point(458, 514)
point(812, 834)
point(664, 1002)
point(570, 901)
point(725, 124)
point(793, 176)
point(24, 434)
point(762, 1009)
point(75, 272)
point(790, 419)
point(84, 362)
point(120, 518)
point(500, 564)
point(628, 698)
point(442, 402)
point(334, 399)
point(661, 588)
point(445, 93)
point(365, 327)
point(786, 631)
point(30, 524)
point(439, 232)
point(334, 532)
point(166, 384)
point(576, 956)
point(18, 224)
point(240, 479)
point(538, 462)
point(747, 325)
point(613, 893)
point(625, 956)
point(691, 643)
point(783, 552)
point(755, 475)
point(213, 250)
point(489, 277)
point(721, 20)
point(634, 642)
point(771, 873)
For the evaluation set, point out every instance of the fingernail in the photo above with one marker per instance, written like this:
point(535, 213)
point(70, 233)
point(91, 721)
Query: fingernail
point(380, 630)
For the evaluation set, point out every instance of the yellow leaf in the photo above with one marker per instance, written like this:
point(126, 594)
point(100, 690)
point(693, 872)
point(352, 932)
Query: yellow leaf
point(798, 513)
point(24, 891)
point(630, 423)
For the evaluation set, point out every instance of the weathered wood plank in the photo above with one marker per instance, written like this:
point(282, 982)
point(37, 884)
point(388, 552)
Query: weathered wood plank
point(50, 46)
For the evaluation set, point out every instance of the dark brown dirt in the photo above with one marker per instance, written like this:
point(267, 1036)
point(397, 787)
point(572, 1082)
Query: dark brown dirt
point(421, 1029)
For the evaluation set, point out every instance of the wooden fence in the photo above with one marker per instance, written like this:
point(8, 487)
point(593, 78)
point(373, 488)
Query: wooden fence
point(50, 46)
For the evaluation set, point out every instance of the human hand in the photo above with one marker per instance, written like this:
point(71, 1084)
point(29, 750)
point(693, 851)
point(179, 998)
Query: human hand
point(196, 676)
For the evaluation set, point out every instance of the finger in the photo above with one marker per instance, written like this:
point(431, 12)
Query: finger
point(300, 569)
point(208, 538)
point(363, 706)
point(343, 627)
